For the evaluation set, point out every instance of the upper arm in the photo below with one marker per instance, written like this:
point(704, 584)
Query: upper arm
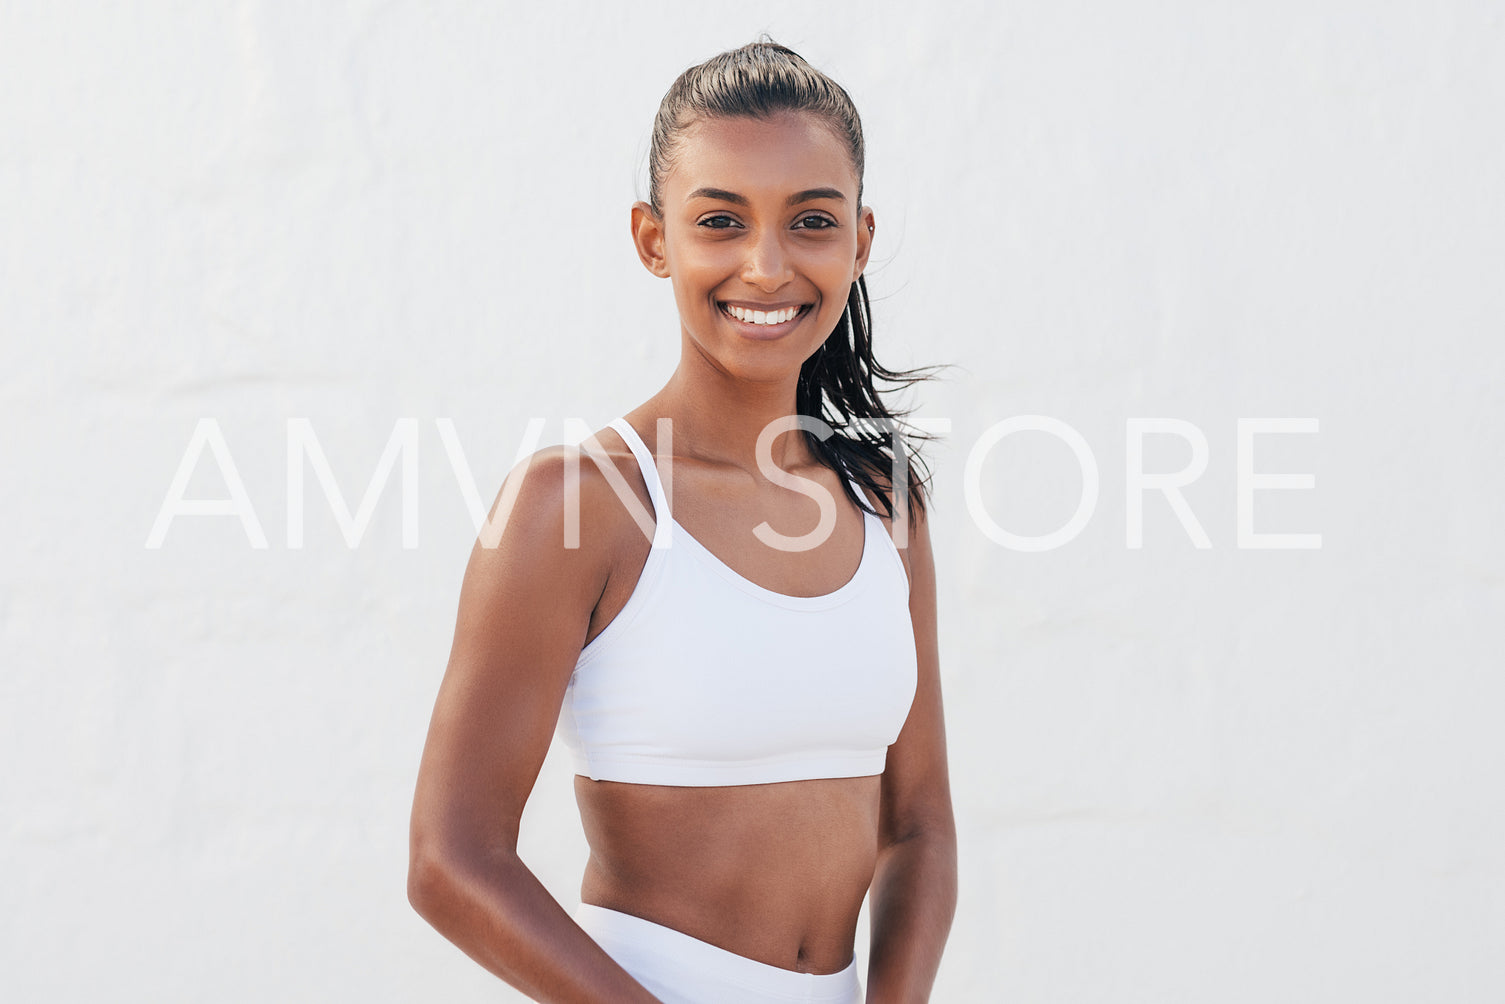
point(916, 792)
point(525, 605)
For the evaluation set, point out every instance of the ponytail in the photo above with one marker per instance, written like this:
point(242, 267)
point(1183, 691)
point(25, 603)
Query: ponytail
point(836, 386)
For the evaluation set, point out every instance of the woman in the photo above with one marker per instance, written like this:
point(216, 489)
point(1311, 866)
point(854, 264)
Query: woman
point(756, 729)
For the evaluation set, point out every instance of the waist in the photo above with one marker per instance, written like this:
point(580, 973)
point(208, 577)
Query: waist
point(680, 969)
point(797, 856)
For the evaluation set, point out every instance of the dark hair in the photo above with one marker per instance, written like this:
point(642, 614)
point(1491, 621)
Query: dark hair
point(760, 80)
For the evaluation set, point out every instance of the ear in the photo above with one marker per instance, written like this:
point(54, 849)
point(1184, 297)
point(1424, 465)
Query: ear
point(864, 240)
point(648, 237)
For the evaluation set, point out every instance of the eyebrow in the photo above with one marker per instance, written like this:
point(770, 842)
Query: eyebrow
point(807, 195)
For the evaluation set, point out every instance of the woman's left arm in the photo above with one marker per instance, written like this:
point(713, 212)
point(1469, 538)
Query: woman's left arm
point(913, 896)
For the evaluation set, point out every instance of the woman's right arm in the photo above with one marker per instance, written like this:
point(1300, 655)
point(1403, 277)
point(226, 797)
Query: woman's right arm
point(525, 608)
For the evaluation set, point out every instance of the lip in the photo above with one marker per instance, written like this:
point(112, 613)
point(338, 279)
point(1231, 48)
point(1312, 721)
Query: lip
point(764, 332)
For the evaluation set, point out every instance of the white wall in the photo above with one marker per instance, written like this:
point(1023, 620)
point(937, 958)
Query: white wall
point(1181, 775)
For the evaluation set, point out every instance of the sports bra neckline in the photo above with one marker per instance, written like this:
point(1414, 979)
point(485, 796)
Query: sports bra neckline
point(663, 537)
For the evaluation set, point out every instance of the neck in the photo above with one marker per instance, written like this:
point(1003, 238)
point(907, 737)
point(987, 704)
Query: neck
point(718, 418)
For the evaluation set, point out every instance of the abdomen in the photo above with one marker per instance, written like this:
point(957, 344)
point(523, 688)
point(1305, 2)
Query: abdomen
point(775, 872)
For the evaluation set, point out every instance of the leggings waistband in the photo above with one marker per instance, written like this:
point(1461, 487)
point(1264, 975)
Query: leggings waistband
point(666, 960)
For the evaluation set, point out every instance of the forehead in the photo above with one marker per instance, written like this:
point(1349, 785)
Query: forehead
point(791, 151)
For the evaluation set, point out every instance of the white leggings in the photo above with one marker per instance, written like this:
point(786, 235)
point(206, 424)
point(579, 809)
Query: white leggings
point(679, 969)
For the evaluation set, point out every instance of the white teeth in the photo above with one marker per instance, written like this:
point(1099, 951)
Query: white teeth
point(762, 316)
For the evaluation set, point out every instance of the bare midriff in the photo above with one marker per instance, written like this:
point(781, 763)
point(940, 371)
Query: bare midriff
point(773, 872)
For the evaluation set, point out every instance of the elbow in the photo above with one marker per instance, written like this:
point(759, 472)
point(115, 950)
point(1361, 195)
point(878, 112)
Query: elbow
point(936, 826)
point(445, 879)
point(437, 871)
point(429, 880)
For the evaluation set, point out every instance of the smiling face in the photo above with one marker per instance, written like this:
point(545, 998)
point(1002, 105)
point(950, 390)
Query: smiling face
point(762, 237)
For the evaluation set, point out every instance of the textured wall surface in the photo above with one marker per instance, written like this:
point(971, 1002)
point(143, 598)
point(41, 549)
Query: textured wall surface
point(1181, 774)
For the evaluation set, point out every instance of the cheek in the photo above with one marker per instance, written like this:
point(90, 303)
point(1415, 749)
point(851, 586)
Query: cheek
point(697, 268)
point(831, 265)
point(835, 279)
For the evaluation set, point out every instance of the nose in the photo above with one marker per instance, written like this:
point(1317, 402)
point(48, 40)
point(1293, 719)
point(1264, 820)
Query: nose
point(767, 264)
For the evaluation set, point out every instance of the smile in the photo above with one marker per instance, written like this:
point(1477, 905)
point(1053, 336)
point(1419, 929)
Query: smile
point(763, 318)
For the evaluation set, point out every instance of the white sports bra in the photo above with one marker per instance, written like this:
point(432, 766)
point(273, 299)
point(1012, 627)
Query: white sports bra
point(707, 678)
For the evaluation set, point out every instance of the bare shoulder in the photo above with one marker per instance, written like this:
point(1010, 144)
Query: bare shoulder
point(571, 503)
point(554, 538)
point(908, 528)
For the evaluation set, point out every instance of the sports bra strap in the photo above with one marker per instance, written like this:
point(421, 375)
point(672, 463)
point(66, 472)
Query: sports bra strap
point(662, 518)
point(649, 468)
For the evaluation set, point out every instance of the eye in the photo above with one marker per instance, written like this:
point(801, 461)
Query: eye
point(720, 221)
point(821, 223)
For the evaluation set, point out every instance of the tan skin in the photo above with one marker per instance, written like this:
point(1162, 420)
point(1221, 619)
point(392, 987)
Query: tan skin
point(774, 872)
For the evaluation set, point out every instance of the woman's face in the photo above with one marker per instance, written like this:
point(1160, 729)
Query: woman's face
point(758, 215)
